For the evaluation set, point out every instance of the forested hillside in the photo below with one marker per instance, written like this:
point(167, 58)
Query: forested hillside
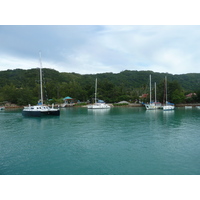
point(22, 86)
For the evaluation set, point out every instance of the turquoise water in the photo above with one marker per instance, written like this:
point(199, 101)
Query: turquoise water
point(119, 141)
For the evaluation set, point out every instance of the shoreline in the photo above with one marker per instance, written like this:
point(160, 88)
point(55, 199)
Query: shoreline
point(187, 104)
point(129, 105)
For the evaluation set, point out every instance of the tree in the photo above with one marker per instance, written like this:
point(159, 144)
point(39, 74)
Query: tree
point(175, 92)
point(177, 96)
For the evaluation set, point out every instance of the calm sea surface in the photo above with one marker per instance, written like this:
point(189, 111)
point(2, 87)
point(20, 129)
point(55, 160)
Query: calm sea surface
point(119, 141)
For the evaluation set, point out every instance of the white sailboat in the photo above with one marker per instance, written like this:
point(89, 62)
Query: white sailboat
point(98, 104)
point(158, 105)
point(152, 105)
point(167, 106)
point(40, 110)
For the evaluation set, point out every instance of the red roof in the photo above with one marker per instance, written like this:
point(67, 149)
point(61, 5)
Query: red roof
point(191, 94)
point(144, 96)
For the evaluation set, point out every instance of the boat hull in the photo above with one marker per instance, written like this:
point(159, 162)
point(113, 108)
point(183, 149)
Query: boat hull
point(40, 113)
point(98, 106)
point(152, 106)
point(166, 108)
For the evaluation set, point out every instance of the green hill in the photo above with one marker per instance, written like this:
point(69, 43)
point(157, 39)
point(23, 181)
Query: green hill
point(22, 86)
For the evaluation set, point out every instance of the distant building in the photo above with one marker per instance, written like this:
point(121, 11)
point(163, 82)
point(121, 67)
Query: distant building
point(190, 95)
point(68, 100)
point(144, 96)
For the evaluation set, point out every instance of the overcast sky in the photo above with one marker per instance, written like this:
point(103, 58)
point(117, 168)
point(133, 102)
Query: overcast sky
point(90, 48)
point(87, 49)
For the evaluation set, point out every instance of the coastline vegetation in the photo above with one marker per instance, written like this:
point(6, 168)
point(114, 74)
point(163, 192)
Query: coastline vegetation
point(21, 87)
point(120, 104)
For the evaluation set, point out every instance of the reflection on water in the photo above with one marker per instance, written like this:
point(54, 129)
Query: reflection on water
point(168, 112)
point(98, 111)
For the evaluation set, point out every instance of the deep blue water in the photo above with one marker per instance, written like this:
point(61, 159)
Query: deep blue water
point(119, 141)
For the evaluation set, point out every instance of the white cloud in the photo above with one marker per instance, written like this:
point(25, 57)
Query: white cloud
point(98, 49)
point(10, 62)
point(171, 60)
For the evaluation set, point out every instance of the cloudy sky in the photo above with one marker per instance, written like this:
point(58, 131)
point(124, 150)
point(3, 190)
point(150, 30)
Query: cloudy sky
point(90, 49)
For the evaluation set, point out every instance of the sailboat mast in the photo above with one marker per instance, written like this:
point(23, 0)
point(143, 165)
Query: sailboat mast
point(95, 97)
point(150, 87)
point(166, 88)
point(41, 79)
point(155, 93)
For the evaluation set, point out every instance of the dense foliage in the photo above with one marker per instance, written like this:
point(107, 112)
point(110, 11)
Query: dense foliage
point(22, 86)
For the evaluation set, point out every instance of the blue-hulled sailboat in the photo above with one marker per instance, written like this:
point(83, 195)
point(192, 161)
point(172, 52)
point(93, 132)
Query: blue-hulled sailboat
point(40, 109)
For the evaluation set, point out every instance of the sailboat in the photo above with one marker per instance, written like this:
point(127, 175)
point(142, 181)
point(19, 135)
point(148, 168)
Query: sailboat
point(40, 109)
point(152, 105)
point(168, 105)
point(100, 104)
point(2, 108)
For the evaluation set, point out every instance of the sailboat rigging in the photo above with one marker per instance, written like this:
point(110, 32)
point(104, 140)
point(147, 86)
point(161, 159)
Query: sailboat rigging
point(97, 104)
point(167, 106)
point(152, 105)
point(40, 110)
